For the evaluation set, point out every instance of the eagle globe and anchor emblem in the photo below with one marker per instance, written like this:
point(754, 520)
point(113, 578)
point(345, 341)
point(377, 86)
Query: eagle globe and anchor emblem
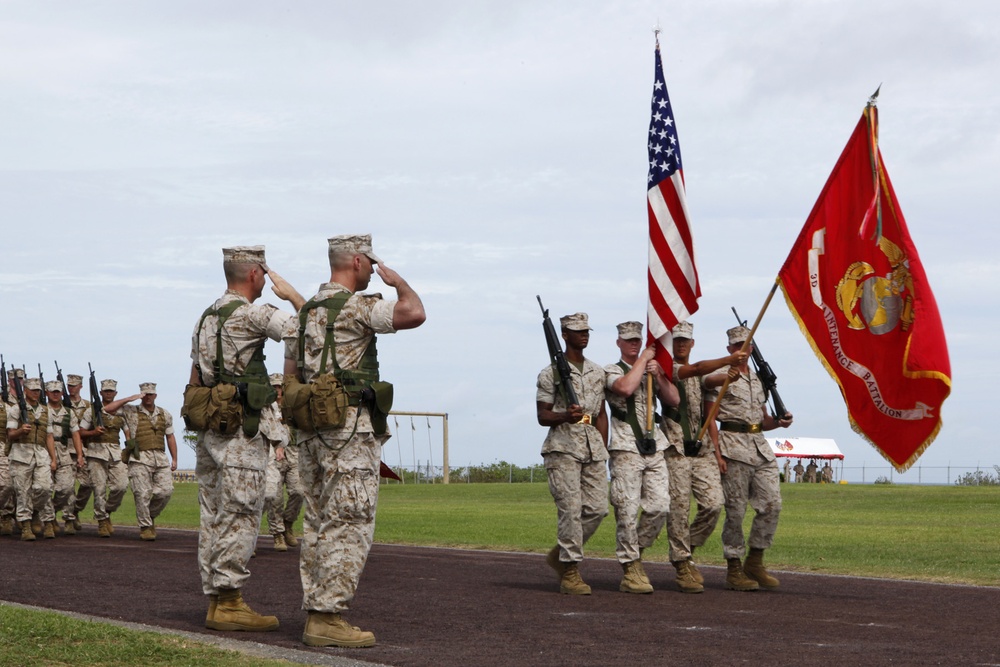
point(885, 301)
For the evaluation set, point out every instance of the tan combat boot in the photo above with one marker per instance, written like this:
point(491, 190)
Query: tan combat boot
point(635, 579)
point(736, 579)
point(324, 629)
point(27, 534)
point(571, 583)
point(695, 572)
point(111, 526)
point(685, 578)
point(279, 542)
point(49, 532)
point(754, 568)
point(232, 613)
point(146, 533)
point(213, 602)
point(552, 558)
point(69, 528)
point(104, 528)
point(36, 526)
point(6, 526)
point(77, 524)
point(290, 538)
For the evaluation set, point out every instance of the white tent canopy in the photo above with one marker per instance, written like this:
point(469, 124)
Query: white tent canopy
point(805, 448)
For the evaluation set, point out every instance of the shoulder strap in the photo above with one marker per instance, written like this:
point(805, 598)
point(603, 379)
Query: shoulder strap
point(333, 307)
point(630, 416)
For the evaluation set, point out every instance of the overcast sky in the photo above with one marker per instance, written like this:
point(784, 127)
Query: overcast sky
point(495, 151)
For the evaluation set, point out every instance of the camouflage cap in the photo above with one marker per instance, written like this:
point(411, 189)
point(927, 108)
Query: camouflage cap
point(109, 385)
point(53, 385)
point(73, 380)
point(630, 330)
point(244, 254)
point(19, 372)
point(575, 322)
point(738, 334)
point(683, 330)
point(276, 378)
point(32, 383)
point(355, 244)
point(147, 388)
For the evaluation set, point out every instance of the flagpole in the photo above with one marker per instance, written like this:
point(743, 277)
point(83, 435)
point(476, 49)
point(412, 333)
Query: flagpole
point(745, 349)
point(649, 403)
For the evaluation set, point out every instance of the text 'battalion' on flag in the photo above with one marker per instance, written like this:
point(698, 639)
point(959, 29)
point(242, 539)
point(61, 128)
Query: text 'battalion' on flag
point(854, 282)
point(673, 277)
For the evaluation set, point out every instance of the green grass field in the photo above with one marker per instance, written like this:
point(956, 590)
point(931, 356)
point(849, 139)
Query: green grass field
point(934, 533)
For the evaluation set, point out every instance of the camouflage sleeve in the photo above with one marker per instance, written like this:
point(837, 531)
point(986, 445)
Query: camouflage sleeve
point(168, 420)
point(546, 386)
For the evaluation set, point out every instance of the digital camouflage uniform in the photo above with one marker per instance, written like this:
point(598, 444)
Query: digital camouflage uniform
point(8, 496)
point(150, 476)
point(85, 488)
point(698, 475)
point(575, 458)
point(30, 464)
point(63, 424)
point(637, 481)
point(752, 470)
point(276, 434)
point(339, 468)
point(231, 469)
point(108, 474)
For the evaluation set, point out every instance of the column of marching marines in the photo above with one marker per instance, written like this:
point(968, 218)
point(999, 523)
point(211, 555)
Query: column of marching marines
point(81, 449)
point(654, 473)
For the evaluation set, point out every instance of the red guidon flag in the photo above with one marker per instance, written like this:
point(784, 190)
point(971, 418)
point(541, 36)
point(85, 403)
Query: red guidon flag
point(673, 277)
point(856, 286)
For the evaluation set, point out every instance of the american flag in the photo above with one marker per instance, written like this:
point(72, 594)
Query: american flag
point(673, 277)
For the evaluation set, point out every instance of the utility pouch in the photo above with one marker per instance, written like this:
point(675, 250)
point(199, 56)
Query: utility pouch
point(381, 406)
point(225, 409)
point(257, 397)
point(195, 408)
point(328, 403)
point(295, 405)
point(692, 447)
point(131, 450)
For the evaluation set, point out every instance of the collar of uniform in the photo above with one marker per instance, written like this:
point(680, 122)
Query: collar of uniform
point(234, 293)
point(327, 288)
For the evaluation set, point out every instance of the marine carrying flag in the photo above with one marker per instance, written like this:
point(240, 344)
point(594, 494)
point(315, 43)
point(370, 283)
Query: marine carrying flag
point(854, 282)
point(673, 277)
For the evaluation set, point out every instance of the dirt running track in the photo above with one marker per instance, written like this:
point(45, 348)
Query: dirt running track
point(447, 607)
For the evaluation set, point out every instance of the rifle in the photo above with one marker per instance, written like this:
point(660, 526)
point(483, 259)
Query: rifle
point(4, 390)
point(59, 376)
point(41, 379)
point(96, 404)
point(563, 376)
point(21, 403)
point(766, 375)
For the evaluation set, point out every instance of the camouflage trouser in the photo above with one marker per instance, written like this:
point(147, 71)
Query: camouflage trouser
point(109, 480)
point(33, 486)
point(152, 487)
point(284, 476)
point(86, 488)
point(581, 494)
point(698, 475)
point(340, 484)
point(758, 486)
point(230, 472)
point(64, 490)
point(638, 482)
point(8, 496)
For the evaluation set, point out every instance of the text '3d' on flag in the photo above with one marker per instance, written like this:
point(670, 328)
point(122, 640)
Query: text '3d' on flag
point(673, 276)
point(854, 282)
